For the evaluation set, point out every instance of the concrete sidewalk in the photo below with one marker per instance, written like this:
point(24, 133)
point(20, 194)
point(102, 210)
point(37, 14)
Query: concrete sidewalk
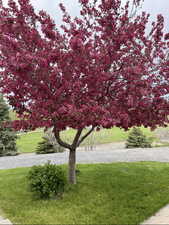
point(5, 221)
point(161, 217)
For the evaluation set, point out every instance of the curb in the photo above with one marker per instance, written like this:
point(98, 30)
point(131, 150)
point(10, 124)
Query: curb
point(161, 217)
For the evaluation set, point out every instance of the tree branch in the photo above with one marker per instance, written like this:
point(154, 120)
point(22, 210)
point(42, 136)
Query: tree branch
point(62, 143)
point(76, 139)
point(85, 136)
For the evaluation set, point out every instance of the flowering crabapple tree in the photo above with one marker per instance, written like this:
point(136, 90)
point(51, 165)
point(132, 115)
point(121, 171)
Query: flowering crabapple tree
point(101, 69)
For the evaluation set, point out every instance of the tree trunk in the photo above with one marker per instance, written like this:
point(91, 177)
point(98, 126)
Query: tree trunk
point(72, 167)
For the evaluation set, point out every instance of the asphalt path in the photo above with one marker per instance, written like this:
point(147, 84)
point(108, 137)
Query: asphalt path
point(100, 154)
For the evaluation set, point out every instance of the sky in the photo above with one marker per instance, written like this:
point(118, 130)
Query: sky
point(154, 7)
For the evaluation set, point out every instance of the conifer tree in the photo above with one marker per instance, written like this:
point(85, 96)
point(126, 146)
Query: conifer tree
point(7, 135)
point(137, 139)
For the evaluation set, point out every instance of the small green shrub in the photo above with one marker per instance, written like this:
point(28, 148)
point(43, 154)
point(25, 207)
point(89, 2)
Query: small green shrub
point(137, 139)
point(47, 181)
point(45, 147)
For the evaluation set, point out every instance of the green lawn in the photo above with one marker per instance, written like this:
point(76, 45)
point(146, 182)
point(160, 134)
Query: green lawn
point(13, 115)
point(27, 142)
point(118, 193)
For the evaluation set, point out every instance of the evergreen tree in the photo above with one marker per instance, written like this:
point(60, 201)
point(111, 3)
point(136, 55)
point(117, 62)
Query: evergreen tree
point(49, 144)
point(137, 139)
point(7, 135)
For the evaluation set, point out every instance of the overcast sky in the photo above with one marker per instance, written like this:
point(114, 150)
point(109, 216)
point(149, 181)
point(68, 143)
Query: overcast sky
point(154, 7)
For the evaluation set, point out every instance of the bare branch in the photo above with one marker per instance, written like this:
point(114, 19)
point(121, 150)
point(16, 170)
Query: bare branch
point(62, 143)
point(85, 136)
point(76, 139)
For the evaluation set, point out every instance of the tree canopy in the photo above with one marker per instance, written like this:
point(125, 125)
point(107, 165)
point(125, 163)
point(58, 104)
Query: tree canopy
point(102, 69)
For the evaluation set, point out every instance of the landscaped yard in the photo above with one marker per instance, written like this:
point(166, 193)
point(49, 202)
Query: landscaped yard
point(118, 193)
point(27, 142)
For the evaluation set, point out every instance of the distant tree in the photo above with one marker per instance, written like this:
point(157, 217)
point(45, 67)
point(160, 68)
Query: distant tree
point(102, 70)
point(4, 110)
point(7, 135)
point(137, 139)
point(48, 144)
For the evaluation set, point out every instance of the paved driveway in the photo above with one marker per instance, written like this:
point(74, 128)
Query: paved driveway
point(102, 153)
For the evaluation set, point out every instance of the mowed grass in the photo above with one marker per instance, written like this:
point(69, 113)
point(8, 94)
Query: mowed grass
point(27, 142)
point(118, 193)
